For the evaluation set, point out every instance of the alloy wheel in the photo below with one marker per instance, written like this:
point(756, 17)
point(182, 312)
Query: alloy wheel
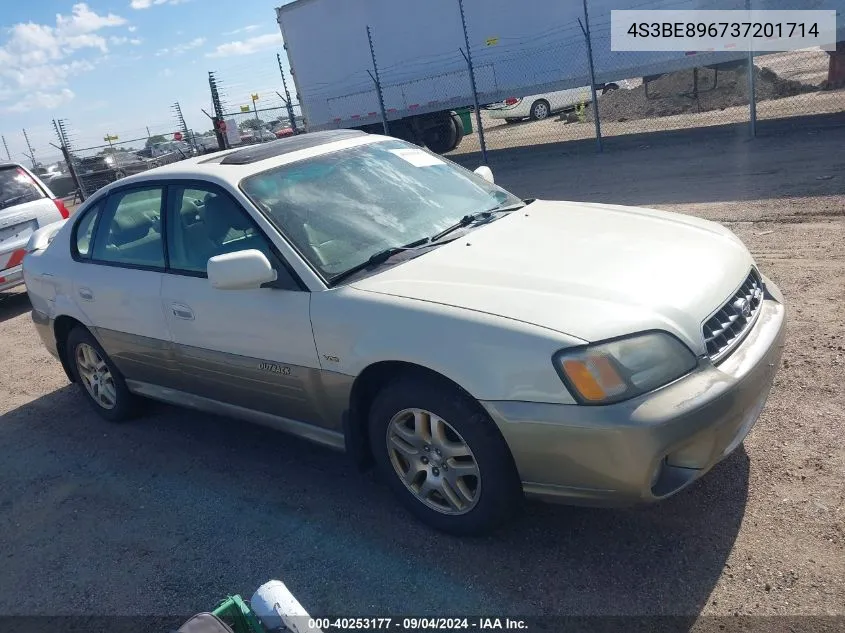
point(433, 461)
point(96, 376)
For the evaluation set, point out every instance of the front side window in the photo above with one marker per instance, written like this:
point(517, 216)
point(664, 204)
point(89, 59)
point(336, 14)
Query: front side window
point(129, 231)
point(203, 223)
point(338, 209)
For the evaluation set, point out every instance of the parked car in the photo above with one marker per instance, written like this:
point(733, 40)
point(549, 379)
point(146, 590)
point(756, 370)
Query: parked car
point(539, 107)
point(26, 205)
point(207, 143)
point(364, 293)
point(102, 169)
point(165, 148)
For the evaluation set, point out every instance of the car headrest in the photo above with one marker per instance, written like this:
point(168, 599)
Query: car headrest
point(130, 225)
point(222, 215)
point(190, 212)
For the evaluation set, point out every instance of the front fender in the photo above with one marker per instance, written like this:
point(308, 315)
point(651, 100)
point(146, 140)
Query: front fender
point(491, 357)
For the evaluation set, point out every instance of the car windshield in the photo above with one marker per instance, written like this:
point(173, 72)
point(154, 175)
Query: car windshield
point(341, 208)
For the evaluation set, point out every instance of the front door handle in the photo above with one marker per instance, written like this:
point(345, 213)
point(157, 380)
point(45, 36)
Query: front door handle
point(86, 294)
point(181, 311)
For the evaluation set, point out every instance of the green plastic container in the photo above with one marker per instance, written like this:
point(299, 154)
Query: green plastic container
point(237, 614)
point(466, 119)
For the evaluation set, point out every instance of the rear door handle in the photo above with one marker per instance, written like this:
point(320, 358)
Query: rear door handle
point(181, 311)
point(86, 294)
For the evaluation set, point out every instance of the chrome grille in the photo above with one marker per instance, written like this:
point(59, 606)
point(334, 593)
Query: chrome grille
point(725, 329)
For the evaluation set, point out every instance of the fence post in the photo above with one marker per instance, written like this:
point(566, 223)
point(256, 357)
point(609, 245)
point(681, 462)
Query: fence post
point(752, 99)
point(377, 82)
point(468, 58)
point(183, 127)
point(218, 112)
point(29, 147)
point(288, 104)
point(8, 155)
point(585, 28)
point(59, 126)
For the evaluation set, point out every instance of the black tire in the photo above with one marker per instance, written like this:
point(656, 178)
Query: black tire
point(513, 121)
point(403, 131)
point(442, 138)
point(459, 129)
point(540, 110)
point(500, 493)
point(609, 88)
point(126, 404)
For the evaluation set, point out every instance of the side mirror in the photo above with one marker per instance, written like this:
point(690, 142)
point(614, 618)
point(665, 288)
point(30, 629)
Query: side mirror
point(485, 172)
point(241, 270)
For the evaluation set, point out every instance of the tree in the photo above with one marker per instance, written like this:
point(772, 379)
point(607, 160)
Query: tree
point(158, 138)
point(251, 124)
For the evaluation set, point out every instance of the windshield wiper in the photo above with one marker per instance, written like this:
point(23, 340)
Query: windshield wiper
point(475, 217)
point(378, 258)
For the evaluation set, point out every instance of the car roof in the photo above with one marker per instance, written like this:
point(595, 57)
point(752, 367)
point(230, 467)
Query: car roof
point(232, 165)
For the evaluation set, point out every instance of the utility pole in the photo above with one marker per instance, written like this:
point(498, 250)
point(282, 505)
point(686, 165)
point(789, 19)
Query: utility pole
point(8, 155)
point(286, 99)
point(29, 147)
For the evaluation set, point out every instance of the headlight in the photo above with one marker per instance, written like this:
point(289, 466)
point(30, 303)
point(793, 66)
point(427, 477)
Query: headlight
point(623, 368)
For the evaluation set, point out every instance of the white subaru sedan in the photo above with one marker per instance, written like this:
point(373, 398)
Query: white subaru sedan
point(363, 293)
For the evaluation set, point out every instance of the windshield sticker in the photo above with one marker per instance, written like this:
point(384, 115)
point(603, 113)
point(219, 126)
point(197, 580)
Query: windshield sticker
point(417, 157)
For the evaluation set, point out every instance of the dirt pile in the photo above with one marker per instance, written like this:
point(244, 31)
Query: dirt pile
point(673, 93)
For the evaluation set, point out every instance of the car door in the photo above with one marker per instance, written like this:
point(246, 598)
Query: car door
point(563, 99)
point(250, 348)
point(118, 252)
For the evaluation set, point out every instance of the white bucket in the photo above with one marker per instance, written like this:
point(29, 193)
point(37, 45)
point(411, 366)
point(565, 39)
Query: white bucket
point(278, 610)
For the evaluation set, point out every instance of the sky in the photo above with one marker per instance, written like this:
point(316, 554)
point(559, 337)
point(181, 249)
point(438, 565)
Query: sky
point(116, 67)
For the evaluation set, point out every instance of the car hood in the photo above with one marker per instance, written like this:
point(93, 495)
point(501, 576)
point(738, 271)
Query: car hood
point(591, 271)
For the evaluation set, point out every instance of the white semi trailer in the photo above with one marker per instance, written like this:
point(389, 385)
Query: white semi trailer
point(517, 49)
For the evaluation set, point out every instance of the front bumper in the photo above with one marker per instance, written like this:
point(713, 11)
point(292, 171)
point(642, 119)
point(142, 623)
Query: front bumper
point(650, 447)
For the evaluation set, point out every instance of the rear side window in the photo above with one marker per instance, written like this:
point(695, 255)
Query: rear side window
point(17, 187)
point(130, 229)
point(85, 232)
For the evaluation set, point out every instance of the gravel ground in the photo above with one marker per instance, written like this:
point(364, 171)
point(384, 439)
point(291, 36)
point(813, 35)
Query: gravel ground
point(168, 514)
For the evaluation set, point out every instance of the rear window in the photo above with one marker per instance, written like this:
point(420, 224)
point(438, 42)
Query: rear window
point(17, 187)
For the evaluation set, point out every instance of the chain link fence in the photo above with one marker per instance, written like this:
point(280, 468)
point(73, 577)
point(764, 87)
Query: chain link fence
point(253, 103)
point(566, 84)
point(90, 163)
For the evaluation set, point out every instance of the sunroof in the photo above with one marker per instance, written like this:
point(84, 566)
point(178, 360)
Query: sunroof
point(255, 153)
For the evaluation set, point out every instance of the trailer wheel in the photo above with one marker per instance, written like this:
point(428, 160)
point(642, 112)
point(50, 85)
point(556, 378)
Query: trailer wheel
point(404, 131)
point(442, 138)
point(459, 129)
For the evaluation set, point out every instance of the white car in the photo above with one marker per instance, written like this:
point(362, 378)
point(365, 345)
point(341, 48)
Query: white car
point(364, 293)
point(542, 106)
point(26, 204)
